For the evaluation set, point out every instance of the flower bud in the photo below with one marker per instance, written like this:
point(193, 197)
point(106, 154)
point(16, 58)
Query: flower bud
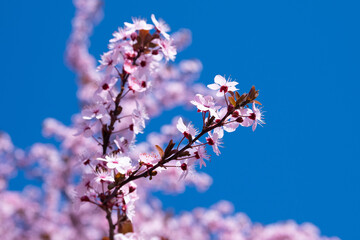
point(105, 86)
point(131, 189)
point(239, 119)
point(184, 166)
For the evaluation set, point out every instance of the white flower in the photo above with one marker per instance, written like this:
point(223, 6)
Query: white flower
point(205, 103)
point(256, 116)
point(188, 130)
point(222, 85)
point(201, 154)
point(214, 140)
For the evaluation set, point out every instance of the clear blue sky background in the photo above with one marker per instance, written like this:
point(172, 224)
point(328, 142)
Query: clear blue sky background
point(303, 55)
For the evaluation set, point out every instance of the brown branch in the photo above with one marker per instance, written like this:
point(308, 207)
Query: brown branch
point(108, 130)
point(246, 100)
point(111, 224)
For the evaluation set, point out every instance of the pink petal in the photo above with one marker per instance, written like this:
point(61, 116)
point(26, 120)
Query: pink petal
point(180, 125)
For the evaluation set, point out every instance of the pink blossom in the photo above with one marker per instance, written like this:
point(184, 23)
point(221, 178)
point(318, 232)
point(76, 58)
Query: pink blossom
point(250, 117)
point(230, 123)
point(147, 65)
point(121, 163)
point(222, 85)
point(129, 67)
point(161, 26)
point(103, 176)
point(149, 159)
point(185, 169)
point(205, 103)
point(107, 84)
point(167, 49)
point(108, 61)
point(138, 24)
point(84, 129)
point(201, 154)
point(129, 206)
point(122, 144)
point(256, 116)
point(139, 116)
point(214, 141)
point(188, 131)
point(244, 118)
point(120, 34)
point(95, 111)
point(138, 84)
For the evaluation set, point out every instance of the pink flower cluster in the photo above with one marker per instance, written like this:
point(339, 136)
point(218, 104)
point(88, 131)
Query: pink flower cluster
point(98, 183)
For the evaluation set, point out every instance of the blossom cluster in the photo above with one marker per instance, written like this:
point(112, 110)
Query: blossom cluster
point(98, 183)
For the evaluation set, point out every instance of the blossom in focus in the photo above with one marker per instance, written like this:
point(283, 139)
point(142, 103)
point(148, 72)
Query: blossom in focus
point(256, 116)
point(222, 85)
point(214, 140)
point(201, 154)
point(188, 130)
point(205, 103)
point(244, 118)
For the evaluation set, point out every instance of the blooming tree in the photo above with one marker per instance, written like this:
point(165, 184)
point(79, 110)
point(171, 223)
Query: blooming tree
point(98, 183)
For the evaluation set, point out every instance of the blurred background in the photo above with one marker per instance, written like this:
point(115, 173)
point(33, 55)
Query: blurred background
point(303, 56)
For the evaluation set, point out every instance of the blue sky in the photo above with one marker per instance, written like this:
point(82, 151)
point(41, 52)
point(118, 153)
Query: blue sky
point(302, 55)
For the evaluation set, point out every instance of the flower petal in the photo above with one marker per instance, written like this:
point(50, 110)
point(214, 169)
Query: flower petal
point(220, 80)
point(213, 86)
